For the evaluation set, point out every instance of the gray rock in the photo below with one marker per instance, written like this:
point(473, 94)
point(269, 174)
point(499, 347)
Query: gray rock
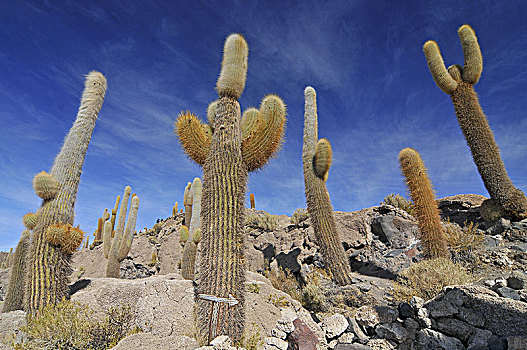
point(479, 338)
point(346, 338)
point(510, 293)
point(354, 346)
point(148, 341)
point(471, 316)
point(10, 323)
point(417, 302)
point(334, 325)
point(429, 339)
point(517, 280)
point(517, 342)
point(405, 310)
point(500, 282)
point(453, 327)
point(275, 343)
point(354, 327)
point(392, 331)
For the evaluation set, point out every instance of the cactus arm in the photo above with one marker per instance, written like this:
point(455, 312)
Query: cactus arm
point(196, 205)
point(195, 137)
point(189, 250)
point(231, 81)
point(187, 202)
point(113, 264)
point(107, 238)
point(49, 267)
point(211, 113)
point(473, 59)
point(322, 159)
point(265, 137)
point(317, 197)
point(249, 122)
point(126, 242)
point(431, 232)
point(437, 67)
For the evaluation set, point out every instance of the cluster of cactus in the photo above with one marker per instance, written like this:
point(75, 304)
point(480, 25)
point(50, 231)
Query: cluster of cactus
point(316, 157)
point(431, 233)
point(192, 237)
point(117, 243)
point(54, 239)
point(100, 223)
point(7, 261)
point(228, 148)
point(458, 82)
point(174, 209)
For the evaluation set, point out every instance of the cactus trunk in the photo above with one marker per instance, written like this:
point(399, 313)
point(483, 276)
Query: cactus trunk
point(485, 151)
point(318, 202)
point(14, 299)
point(49, 266)
point(222, 271)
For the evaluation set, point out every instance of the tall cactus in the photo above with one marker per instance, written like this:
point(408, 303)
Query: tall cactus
point(431, 232)
point(49, 263)
point(458, 82)
point(117, 248)
point(14, 299)
point(187, 202)
point(227, 156)
point(316, 157)
point(190, 248)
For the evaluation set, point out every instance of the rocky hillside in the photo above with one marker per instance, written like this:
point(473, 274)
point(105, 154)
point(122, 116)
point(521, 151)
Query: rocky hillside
point(291, 304)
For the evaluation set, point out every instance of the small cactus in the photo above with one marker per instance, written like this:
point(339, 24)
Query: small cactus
point(251, 197)
point(183, 234)
point(14, 299)
point(174, 209)
point(116, 249)
point(190, 248)
point(30, 220)
point(45, 185)
point(431, 232)
point(458, 82)
point(316, 157)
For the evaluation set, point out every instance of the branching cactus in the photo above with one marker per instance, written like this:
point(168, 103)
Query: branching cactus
point(114, 213)
point(116, 249)
point(174, 210)
point(190, 248)
point(459, 82)
point(14, 299)
point(431, 232)
point(316, 157)
point(50, 263)
point(227, 154)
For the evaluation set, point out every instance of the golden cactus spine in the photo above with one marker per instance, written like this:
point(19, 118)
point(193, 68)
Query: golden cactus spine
point(49, 265)
point(227, 156)
point(316, 158)
point(116, 249)
point(431, 232)
point(459, 82)
point(14, 299)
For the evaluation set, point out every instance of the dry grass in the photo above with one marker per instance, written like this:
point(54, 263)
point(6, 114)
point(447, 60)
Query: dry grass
point(427, 278)
point(400, 202)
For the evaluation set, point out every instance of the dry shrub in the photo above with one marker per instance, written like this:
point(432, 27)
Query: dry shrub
point(299, 216)
point(263, 221)
point(468, 238)
point(72, 326)
point(427, 278)
point(398, 201)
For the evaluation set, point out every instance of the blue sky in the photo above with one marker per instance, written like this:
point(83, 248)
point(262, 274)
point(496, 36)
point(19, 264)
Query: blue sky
point(364, 58)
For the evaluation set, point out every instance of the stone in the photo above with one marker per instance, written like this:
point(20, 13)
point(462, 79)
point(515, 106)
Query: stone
point(275, 343)
point(221, 341)
point(417, 302)
point(500, 282)
point(278, 333)
point(411, 326)
point(453, 327)
point(479, 337)
point(354, 327)
point(346, 338)
point(405, 310)
point(148, 341)
point(367, 317)
point(392, 331)
point(430, 339)
point(170, 253)
point(10, 323)
point(517, 342)
point(334, 325)
point(497, 343)
point(353, 346)
point(302, 338)
point(507, 292)
point(517, 280)
point(471, 316)
point(383, 227)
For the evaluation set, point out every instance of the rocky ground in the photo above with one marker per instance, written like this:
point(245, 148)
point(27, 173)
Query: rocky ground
point(381, 242)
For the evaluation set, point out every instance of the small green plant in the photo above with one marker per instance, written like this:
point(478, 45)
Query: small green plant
point(398, 201)
point(299, 216)
point(427, 278)
point(253, 288)
point(313, 297)
point(278, 300)
point(253, 341)
point(264, 221)
point(284, 281)
point(69, 325)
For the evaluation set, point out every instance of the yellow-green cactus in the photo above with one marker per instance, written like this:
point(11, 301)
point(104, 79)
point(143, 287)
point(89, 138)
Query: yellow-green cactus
point(183, 234)
point(227, 157)
point(116, 249)
point(30, 220)
point(45, 185)
point(458, 82)
point(316, 158)
point(14, 299)
point(251, 198)
point(431, 232)
point(49, 264)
